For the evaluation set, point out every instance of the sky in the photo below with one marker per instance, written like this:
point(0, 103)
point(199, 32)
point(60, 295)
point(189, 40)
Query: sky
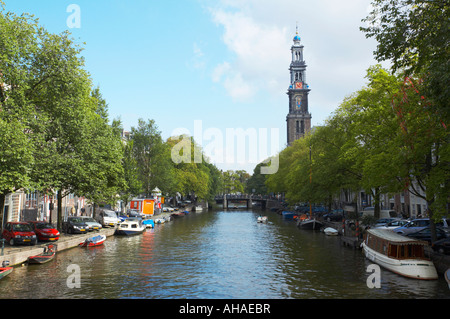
point(214, 68)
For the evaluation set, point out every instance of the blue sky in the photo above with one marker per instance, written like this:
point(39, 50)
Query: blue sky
point(222, 62)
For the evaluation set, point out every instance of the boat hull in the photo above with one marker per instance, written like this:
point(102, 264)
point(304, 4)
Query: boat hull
point(93, 241)
point(311, 224)
point(411, 268)
point(123, 232)
point(5, 271)
point(330, 231)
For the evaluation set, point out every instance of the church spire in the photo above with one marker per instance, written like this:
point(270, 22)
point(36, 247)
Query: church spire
point(298, 118)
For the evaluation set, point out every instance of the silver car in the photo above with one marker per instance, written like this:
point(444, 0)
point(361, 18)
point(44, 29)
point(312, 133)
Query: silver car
point(91, 223)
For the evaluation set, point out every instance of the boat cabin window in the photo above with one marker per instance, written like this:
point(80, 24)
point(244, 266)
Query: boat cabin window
point(134, 226)
point(124, 226)
point(406, 251)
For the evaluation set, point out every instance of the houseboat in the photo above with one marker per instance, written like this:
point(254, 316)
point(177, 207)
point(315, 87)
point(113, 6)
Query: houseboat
point(399, 254)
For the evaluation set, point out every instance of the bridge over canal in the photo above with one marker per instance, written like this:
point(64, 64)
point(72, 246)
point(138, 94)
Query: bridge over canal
point(249, 201)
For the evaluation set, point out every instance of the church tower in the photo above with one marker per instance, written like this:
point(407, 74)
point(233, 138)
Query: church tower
point(299, 119)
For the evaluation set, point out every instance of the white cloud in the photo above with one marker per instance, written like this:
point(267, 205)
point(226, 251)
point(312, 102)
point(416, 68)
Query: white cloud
point(257, 49)
point(259, 34)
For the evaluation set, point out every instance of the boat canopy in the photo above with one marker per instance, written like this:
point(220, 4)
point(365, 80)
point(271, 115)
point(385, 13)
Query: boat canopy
point(394, 238)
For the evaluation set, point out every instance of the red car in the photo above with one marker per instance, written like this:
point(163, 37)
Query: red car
point(19, 233)
point(44, 231)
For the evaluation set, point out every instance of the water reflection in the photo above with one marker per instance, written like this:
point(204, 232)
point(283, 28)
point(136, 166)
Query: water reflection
point(216, 255)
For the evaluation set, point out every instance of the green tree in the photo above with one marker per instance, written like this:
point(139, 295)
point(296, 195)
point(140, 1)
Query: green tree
point(414, 36)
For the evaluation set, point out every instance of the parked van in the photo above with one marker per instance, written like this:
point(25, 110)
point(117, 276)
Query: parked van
point(108, 218)
point(384, 213)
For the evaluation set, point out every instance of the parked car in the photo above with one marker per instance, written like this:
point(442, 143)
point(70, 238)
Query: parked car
point(91, 223)
point(74, 225)
point(108, 218)
point(442, 246)
point(44, 231)
point(413, 226)
point(419, 224)
point(384, 213)
point(19, 233)
point(335, 215)
point(135, 213)
point(396, 223)
point(425, 234)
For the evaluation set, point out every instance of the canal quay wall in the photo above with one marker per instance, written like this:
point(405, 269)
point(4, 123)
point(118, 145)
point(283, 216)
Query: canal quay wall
point(17, 255)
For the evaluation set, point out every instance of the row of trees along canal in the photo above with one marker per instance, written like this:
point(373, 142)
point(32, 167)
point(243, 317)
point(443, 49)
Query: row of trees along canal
point(391, 135)
point(55, 135)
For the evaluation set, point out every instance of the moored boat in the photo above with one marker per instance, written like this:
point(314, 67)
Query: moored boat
point(93, 241)
point(5, 270)
point(149, 223)
point(399, 254)
point(288, 215)
point(48, 255)
point(311, 224)
point(330, 231)
point(130, 227)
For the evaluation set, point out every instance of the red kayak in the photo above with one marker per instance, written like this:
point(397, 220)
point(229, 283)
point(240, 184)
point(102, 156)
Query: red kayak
point(93, 241)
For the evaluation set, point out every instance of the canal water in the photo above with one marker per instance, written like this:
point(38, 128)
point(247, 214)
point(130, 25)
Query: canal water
point(214, 255)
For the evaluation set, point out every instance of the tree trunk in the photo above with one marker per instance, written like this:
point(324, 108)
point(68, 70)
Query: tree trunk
point(2, 208)
point(377, 209)
point(59, 218)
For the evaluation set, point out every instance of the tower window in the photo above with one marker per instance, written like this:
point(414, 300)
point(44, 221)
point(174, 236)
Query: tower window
point(297, 127)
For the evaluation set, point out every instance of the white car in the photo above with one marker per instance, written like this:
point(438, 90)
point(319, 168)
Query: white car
point(108, 218)
point(393, 224)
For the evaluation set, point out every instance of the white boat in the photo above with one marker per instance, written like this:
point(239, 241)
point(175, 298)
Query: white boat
point(198, 208)
point(330, 231)
point(130, 227)
point(399, 254)
point(160, 221)
point(262, 219)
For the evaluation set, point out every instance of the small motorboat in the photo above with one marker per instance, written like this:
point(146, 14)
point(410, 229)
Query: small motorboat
point(330, 231)
point(149, 223)
point(48, 255)
point(262, 219)
point(160, 221)
point(93, 241)
point(5, 270)
point(130, 227)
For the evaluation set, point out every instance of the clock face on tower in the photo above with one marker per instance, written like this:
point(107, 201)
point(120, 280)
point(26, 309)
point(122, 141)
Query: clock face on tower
point(299, 85)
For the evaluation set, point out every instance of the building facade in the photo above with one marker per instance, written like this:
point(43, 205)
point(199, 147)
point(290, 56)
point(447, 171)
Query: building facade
point(298, 119)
